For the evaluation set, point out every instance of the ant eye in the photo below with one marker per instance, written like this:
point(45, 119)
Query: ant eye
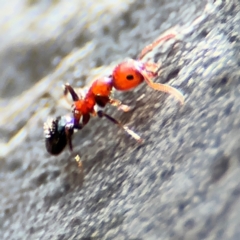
point(130, 77)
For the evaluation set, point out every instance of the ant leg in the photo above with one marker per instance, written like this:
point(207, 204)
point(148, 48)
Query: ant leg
point(69, 133)
point(119, 105)
point(69, 140)
point(85, 119)
point(163, 88)
point(165, 37)
point(125, 128)
point(69, 130)
point(78, 126)
point(68, 88)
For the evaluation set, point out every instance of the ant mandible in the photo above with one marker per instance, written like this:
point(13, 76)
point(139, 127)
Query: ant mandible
point(125, 76)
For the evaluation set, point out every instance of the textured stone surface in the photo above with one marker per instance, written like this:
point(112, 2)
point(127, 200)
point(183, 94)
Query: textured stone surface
point(182, 183)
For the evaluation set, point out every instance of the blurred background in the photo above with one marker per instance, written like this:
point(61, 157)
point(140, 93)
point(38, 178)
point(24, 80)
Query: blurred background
point(183, 184)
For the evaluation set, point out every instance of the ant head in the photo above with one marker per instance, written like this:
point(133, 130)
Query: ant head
point(128, 75)
point(58, 133)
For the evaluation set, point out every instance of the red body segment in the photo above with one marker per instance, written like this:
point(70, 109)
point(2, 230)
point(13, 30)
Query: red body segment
point(83, 107)
point(127, 75)
point(101, 87)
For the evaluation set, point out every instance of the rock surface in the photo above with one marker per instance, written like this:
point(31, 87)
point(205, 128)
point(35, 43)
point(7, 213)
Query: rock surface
point(182, 183)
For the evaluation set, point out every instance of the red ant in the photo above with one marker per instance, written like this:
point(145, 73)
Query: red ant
point(125, 76)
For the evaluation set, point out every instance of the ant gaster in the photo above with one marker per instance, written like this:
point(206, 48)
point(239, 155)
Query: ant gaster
point(125, 76)
point(58, 132)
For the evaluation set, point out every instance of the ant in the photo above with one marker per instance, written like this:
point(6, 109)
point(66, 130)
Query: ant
point(125, 76)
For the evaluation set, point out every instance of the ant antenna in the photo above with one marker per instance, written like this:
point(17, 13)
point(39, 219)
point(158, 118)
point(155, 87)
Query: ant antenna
point(150, 47)
point(164, 88)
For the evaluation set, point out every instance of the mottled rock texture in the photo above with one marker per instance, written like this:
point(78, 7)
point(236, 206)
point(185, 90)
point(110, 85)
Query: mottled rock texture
point(182, 183)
